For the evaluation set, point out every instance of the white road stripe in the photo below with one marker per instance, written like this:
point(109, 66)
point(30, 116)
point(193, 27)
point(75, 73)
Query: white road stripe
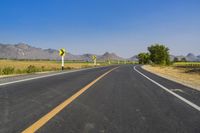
point(169, 91)
point(39, 77)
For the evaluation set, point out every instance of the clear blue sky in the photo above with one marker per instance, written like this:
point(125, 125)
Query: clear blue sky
point(125, 27)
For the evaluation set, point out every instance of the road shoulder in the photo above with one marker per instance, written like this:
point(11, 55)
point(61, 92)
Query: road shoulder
point(186, 92)
point(27, 77)
point(175, 76)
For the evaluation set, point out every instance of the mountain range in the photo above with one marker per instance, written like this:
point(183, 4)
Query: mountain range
point(189, 57)
point(25, 51)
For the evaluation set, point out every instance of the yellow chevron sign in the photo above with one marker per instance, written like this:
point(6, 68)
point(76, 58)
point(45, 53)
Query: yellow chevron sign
point(94, 57)
point(62, 52)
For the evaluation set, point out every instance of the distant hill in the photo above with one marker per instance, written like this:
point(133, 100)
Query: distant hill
point(109, 56)
point(133, 58)
point(198, 57)
point(25, 51)
point(189, 57)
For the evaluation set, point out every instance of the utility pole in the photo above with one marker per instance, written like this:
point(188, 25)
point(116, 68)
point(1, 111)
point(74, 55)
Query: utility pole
point(108, 61)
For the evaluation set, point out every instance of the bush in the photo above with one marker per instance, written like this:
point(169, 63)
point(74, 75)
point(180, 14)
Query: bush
point(31, 69)
point(176, 59)
point(8, 70)
point(69, 68)
point(43, 68)
point(19, 71)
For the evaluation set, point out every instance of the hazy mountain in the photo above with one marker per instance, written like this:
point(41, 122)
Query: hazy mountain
point(25, 51)
point(88, 57)
point(188, 57)
point(133, 58)
point(171, 57)
point(191, 57)
point(110, 56)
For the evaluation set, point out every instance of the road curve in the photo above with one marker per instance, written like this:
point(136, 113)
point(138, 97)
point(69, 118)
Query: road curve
point(123, 101)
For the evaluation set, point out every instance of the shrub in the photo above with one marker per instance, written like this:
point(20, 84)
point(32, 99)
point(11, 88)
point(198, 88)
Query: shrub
point(43, 68)
point(69, 68)
point(31, 69)
point(19, 71)
point(176, 59)
point(53, 69)
point(183, 59)
point(8, 70)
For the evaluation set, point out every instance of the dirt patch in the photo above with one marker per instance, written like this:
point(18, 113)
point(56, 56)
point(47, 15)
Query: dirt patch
point(188, 77)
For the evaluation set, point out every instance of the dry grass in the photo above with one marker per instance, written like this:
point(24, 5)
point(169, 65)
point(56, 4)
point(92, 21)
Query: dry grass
point(177, 74)
point(21, 66)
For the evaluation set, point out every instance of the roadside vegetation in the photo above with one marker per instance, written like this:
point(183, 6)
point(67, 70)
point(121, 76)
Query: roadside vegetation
point(157, 60)
point(8, 67)
point(157, 54)
point(12, 67)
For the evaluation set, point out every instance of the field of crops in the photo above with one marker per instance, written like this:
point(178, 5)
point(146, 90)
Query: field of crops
point(19, 67)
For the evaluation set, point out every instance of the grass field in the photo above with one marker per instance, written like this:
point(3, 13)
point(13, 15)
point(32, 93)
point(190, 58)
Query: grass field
point(19, 67)
point(8, 67)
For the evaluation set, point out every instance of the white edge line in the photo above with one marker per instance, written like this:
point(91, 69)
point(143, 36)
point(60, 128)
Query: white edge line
point(39, 77)
point(169, 91)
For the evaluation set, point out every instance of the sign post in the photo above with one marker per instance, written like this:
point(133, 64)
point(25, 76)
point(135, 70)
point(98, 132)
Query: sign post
point(63, 62)
point(62, 54)
point(94, 58)
point(109, 61)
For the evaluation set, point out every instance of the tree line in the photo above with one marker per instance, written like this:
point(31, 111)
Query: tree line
point(157, 54)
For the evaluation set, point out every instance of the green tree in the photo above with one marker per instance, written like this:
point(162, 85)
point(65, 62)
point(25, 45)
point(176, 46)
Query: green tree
point(159, 54)
point(183, 59)
point(175, 59)
point(143, 58)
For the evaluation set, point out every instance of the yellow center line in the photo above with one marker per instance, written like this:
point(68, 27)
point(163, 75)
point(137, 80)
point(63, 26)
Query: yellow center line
point(39, 123)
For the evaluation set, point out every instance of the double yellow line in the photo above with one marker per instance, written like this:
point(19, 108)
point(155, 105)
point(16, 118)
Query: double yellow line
point(39, 123)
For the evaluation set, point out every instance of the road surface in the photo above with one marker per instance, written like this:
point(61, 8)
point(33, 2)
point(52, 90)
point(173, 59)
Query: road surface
point(102, 100)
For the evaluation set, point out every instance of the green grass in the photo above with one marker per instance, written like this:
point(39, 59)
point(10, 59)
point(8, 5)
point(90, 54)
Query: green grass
point(187, 64)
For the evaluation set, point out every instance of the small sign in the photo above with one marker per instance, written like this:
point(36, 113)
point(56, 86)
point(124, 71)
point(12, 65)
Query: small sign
point(94, 57)
point(62, 52)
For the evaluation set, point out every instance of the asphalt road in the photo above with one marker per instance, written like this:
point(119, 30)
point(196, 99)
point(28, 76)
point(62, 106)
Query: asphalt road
point(121, 101)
